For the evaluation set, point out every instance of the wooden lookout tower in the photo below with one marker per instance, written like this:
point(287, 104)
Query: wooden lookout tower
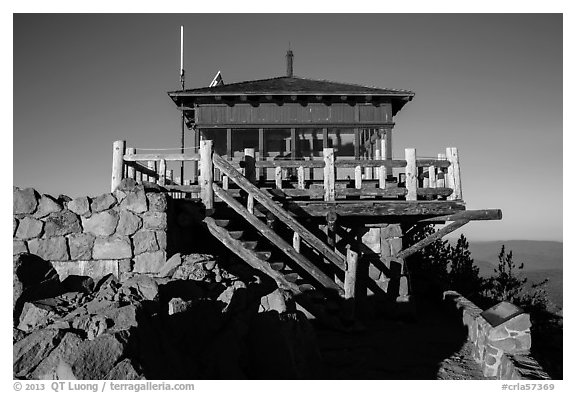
point(307, 164)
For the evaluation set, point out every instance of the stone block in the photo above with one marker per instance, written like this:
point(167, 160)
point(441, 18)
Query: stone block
point(24, 200)
point(124, 266)
point(96, 358)
point(109, 248)
point(155, 220)
point(50, 249)
point(149, 262)
point(391, 231)
point(19, 247)
point(61, 224)
point(162, 239)
point(373, 272)
point(32, 349)
point(135, 200)
point(144, 241)
point(80, 245)
point(168, 269)
point(157, 202)
point(80, 206)
point(395, 245)
point(519, 323)
point(46, 206)
point(514, 345)
point(29, 228)
point(128, 223)
point(101, 224)
point(102, 202)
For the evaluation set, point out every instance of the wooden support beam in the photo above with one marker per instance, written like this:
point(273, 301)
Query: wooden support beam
point(329, 174)
point(470, 215)
point(158, 157)
point(411, 174)
point(278, 177)
point(432, 238)
point(350, 274)
point(206, 174)
point(293, 142)
point(117, 164)
point(296, 242)
point(261, 151)
point(301, 180)
point(432, 176)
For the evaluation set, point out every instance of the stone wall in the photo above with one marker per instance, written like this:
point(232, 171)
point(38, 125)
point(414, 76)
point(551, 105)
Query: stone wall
point(120, 232)
point(502, 350)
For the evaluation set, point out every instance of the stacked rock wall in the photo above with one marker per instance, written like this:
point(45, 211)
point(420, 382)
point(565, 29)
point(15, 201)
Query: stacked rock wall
point(120, 232)
point(503, 350)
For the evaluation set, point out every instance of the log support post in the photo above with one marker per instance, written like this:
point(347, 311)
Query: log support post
point(329, 175)
point(350, 282)
point(250, 174)
point(162, 173)
point(411, 174)
point(117, 164)
point(454, 174)
point(206, 174)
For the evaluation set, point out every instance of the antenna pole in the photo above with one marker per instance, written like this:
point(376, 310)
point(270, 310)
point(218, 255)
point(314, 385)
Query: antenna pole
point(182, 83)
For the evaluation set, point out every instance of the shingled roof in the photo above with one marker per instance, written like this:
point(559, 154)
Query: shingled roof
point(285, 85)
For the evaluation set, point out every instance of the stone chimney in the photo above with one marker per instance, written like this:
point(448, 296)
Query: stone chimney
point(289, 63)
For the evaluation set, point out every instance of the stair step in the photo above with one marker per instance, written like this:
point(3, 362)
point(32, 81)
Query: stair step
point(291, 277)
point(222, 223)
point(250, 244)
point(236, 234)
point(265, 255)
point(277, 265)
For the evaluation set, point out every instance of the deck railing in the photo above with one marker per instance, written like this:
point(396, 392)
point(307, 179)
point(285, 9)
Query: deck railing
point(422, 178)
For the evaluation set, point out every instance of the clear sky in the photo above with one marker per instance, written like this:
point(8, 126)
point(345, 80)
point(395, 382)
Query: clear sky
point(489, 84)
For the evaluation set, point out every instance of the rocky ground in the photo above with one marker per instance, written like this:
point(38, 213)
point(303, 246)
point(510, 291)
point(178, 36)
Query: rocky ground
point(202, 318)
point(195, 320)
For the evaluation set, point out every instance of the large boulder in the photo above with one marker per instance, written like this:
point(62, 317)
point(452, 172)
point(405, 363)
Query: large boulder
point(29, 228)
point(155, 220)
point(32, 349)
point(128, 223)
point(96, 358)
point(80, 206)
point(81, 245)
point(112, 248)
point(143, 285)
point(46, 206)
point(65, 352)
point(62, 223)
point(50, 249)
point(157, 202)
point(134, 197)
point(149, 262)
point(24, 200)
point(102, 202)
point(35, 315)
point(144, 241)
point(123, 371)
point(101, 224)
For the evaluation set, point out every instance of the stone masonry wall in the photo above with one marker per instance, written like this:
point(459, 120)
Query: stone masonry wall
point(118, 232)
point(504, 350)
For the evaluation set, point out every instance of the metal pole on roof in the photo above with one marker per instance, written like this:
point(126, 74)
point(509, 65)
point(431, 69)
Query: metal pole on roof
point(182, 83)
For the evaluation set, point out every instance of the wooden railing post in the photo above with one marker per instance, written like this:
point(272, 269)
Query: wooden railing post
point(117, 164)
point(350, 276)
point(358, 177)
point(131, 170)
point(300, 173)
point(432, 176)
point(329, 175)
point(206, 174)
point(250, 174)
point(441, 178)
point(278, 177)
point(454, 173)
point(411, 174)
point(162, 173)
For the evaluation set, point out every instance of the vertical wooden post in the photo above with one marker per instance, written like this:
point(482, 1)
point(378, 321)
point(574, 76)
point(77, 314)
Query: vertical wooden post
point(206, 174)
point(170, 176)
point(382, 173)
point(278, 176)
point(261, 152)
point(329, 175)
point(162, 173)
point(300, 172)
point(229, 144)
point(194, 164)
point(356, 143)
point(350, 274)
point(411, 174)
point(293, 142)
point(131, 170)
point(325, 138)
point(250, 174)
point(117, 164)
point(425, 180)
point(432, 176)
point(152, 167)
point(454, 173)
point(358, 177)
point(441, 178)
point(225, 182)
point(388, 150)
point(296, 241)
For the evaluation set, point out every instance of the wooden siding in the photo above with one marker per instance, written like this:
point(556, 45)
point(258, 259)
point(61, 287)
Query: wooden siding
point(293, 113)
